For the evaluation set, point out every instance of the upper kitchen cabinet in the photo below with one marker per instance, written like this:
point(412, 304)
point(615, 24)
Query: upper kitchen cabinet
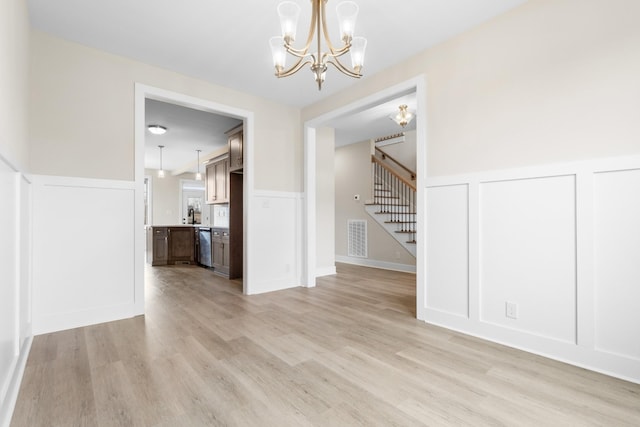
point(217, 181)
point(236, 161)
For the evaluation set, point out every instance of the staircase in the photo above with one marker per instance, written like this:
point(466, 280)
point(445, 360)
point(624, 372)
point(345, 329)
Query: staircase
point(394, 199)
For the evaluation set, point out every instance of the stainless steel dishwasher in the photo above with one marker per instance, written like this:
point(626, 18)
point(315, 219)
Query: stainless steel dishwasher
point(205, 257)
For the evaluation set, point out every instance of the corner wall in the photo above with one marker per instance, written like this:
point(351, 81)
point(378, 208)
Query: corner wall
point(15, 204)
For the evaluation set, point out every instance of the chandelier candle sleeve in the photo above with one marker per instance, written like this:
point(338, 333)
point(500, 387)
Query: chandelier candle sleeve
point(347, 14)
point(282, 45)
point(289, 13)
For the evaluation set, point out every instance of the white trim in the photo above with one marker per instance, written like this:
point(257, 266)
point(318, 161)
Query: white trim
point(10, 385)
point(149, 200)
point(326, 271)
point(309, 262)
point(143, 92)
point(11, 397)
point(418, 84)
point(384, 265)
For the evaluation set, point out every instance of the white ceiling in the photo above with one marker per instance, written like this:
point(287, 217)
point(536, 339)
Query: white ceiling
point(188, 130)
point(226, 43)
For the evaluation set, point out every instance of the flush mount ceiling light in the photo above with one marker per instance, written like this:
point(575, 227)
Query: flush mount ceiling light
point(157, 129)
point(289, 12)
point(198, 174)
point(402, 117)
point(160, 171)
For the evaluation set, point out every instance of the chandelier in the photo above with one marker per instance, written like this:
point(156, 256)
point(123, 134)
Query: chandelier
point(403, 116)
point(289, 12)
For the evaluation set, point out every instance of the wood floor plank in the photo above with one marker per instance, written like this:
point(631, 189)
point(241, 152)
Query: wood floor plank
point(348, 352)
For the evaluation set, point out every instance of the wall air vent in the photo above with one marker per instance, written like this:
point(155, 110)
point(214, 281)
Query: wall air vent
point(390, 139)
point(357, 238)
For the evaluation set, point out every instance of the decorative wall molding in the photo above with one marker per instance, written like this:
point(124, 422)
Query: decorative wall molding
point(277, 241)
point(84, 248)
point(558, 241)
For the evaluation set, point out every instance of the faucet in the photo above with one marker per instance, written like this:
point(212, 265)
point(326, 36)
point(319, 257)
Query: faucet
point(192, 216)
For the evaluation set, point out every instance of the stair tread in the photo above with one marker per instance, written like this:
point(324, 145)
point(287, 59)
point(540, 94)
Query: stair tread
point(396, 213)
point(400, 222)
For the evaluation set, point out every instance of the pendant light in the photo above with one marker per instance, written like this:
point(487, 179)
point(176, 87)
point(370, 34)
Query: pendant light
point(198, 174)
point(160, 171)
point(403, 117)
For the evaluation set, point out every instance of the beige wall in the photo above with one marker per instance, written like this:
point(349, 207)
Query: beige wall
point(550, 81)
point(405, 152)
point(353, 176)
point(165, 197)
point(82, 115)
point(325, 199)
point(14, 73)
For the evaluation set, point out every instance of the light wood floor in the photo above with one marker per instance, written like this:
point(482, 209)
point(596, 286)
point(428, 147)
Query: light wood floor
point(347, 353)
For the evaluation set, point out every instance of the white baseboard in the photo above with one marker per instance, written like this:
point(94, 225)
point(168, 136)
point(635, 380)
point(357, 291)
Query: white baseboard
point(326, 271)
point(366, 262)
point(8, 404)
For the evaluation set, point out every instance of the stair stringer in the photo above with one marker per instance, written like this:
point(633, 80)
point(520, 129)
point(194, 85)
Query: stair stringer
point(380, 218)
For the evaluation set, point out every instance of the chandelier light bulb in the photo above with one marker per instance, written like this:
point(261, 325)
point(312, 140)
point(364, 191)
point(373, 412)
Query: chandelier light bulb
point(289, 13)
point(347, 14)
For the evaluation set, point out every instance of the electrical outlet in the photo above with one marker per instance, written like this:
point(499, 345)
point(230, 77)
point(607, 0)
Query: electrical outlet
point(511, 310)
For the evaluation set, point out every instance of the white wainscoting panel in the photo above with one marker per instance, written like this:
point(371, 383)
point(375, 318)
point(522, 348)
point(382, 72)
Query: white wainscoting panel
point(561, 242)
point(15, 292)
point(276, 241)
point(8, 277)
point(528, 255)
point(83, 252)
point(617, 262)
point(448, 249)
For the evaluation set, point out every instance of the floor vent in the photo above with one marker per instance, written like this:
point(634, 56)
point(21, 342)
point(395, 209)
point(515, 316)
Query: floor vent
point(357, 239)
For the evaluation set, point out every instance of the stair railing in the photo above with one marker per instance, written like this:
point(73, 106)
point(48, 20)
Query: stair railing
point(396, 194)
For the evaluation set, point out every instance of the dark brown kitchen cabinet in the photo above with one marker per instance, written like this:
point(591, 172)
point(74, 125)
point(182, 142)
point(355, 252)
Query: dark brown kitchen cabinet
point(157, 245)
point(236, 149)
point(220, 250)
point(181, 244)
point(170, 245)
point(217, 181)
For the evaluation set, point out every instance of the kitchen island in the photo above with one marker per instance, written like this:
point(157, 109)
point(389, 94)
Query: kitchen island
point(172, 244)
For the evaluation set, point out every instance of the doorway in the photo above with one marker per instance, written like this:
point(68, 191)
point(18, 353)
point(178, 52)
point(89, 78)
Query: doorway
point(142, 94)
point(418, 85)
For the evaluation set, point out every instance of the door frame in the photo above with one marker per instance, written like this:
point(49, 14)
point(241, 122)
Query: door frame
point(143, 92)
point(417, 84)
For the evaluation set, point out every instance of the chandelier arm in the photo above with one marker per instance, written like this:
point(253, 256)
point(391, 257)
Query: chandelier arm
point(303, 51)
point(299, 53)
point(336, 53)
point(343, 69)
point(327, 38)
point(294, 68)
